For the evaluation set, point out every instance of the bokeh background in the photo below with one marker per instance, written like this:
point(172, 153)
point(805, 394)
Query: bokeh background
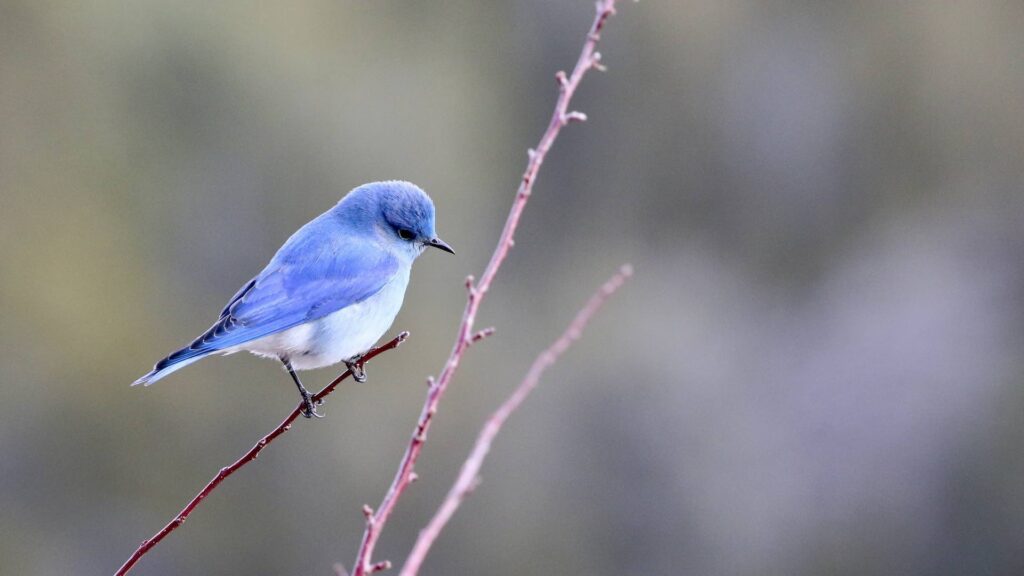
point(817, 369)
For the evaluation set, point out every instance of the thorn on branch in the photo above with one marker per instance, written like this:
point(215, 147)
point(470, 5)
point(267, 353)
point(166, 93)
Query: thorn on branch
point(339, 569)
point(413, 477)
point(368, 513)
point(379, 567)
point(430, 382)
point(595, 63)
point(531, 154)
point(574, 116)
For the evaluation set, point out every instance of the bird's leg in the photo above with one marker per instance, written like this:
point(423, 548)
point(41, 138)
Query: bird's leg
point(308, 408)
point(355, 366)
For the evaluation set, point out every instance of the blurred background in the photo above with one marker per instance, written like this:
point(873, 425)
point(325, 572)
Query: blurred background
point(816, 370)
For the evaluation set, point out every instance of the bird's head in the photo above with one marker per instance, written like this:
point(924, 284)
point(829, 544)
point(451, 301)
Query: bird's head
point(400, 212)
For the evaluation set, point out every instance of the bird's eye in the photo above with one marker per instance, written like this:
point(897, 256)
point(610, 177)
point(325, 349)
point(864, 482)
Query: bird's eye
point(405, 234)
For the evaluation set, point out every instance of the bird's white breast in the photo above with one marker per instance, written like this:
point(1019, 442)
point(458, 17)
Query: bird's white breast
point(340, 335)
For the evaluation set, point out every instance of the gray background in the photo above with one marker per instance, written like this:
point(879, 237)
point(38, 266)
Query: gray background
point(817, 369)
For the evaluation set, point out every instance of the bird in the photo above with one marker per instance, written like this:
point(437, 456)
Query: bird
point(330, 292)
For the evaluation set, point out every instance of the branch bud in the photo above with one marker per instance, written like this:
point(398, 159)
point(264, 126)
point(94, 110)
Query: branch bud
point(482, 334)
point(563, 80)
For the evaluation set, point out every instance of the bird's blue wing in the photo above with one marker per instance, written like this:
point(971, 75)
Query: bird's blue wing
point(305, 281)
point(315, 273)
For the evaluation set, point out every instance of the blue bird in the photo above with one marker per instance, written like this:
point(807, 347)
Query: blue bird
point(330, 292)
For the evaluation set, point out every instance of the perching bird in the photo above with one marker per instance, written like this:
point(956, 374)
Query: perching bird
point(330, 292)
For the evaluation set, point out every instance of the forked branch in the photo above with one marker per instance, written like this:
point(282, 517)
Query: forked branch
point(589, 59)
point(469, 476)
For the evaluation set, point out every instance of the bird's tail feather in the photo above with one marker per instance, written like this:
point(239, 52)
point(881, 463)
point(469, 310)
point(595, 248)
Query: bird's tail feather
point(172, 363)
point(201, 347)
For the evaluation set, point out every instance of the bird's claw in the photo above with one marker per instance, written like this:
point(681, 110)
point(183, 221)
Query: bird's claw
point(308, 409)
point(355, 366)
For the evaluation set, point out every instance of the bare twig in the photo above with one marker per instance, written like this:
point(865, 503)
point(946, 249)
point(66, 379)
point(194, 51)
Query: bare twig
point(249, 456)
point(469, 475)
point(476, 291)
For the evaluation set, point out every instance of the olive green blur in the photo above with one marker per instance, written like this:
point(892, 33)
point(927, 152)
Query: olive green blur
point(817, 369)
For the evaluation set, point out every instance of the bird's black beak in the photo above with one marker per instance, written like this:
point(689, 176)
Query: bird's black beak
point(440, 244)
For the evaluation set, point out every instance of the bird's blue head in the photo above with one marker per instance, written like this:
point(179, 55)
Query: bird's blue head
point(399, 211)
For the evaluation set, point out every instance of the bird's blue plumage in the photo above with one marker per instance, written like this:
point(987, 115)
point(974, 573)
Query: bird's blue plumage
point(331, 265)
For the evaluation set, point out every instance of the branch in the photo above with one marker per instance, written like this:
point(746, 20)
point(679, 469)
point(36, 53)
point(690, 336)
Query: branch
point(249, 456)
point(469, 477)
point(476, 291)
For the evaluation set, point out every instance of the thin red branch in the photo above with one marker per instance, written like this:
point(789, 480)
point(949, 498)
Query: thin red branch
point(249, 456)
point(476, 291)
point(469, 478)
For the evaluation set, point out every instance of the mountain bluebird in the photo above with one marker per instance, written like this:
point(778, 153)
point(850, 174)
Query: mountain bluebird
point(330, 292)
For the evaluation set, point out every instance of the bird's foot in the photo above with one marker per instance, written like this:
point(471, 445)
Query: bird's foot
point(308, 409)
point(355, 366)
